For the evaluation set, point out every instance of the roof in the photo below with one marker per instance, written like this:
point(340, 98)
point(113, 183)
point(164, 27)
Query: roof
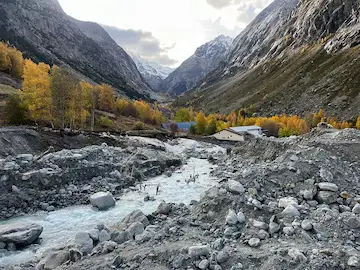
point(181, 125)
point(245, 128)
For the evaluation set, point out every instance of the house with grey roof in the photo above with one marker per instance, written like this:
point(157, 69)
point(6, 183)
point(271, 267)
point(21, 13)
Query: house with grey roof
point(238, 134)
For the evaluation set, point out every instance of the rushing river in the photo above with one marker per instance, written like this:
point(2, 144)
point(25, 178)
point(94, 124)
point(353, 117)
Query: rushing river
point(61, 226)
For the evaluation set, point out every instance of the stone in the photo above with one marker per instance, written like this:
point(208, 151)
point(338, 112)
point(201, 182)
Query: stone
point(103, 236)
point(231, 218)
point(56, 259)
point(308, 194)
point(108, 246)
point(178, 261)
point(164, 208)
point(197, 251)
point(40, 266)
point(326, 186)
point(83, 242)
point(94, 234)
point(75, 255)
point(356, 209)
point(204, 264)
point(297, 255)
point(327, 197)
point(237, 266)
point(144, 237)
point(254, 242)
point(11, 247)
point(50, 208)
point(120, 236)
point(15, 189)
point(102, 200)
point(20, 233)
point(353, 222)
point(260, 224)
point(241, 217)
point(353, 261)
point(135, 229)
point(273, 227)
point(136, 216)
point(263, 234)
point(291, 210)
point(235, 187)
point(218, 244)
point(306, 225)
point(288, 230)
point(222, 257)
point(285, 202)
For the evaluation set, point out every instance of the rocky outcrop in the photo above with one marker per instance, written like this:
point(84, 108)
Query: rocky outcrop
point(43, 31)
point(205, 59)
point(102, 200)
point(20, 234)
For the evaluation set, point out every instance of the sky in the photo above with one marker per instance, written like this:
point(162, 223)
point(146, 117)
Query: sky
point(167, 31)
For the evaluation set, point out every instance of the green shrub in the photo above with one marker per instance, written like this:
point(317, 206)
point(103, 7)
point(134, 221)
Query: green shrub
point(139, 125)
point(15, 111)
point(104, 121)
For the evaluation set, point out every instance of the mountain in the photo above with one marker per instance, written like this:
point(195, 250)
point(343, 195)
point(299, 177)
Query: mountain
point(295, 57)
point(189, 73)
point(43, 31)
point(152, 72)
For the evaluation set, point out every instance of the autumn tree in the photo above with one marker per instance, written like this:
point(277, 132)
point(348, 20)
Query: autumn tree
point(184, 115)
point(36, 94)
point(201, 123)
point(211, 124)
point(232, 119)
point(11, 60)
point(358, 123)
point(106, 98)
point(15, 111)
point(63, 85)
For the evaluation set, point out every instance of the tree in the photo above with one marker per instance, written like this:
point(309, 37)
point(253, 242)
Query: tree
point(11, 60)
point(83, 101)
point(201, 123)
point(211, 124)
point(36, 94)
point(63, 85)
point(106, 98)
point(358, 123)
point(15, 111)
point(232, 119)
point(184, 115)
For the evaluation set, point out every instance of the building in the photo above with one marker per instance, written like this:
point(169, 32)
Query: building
point(238, 134)
point(182, 126)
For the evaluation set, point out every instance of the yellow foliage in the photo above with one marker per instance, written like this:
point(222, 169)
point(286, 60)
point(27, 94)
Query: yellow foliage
point(201, 123)
point(358, 123)
point(11, 60)
point(106, 97)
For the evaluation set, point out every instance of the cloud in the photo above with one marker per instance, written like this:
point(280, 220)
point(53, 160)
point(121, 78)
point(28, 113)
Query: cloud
point(214, 28)
point(143, 44)
point(218, 4)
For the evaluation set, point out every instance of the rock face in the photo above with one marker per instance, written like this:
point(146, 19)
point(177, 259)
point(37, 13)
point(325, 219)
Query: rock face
point(45, 33)
point(20, 234)
point(274, 58)
point(102, 200)
point(206, 58)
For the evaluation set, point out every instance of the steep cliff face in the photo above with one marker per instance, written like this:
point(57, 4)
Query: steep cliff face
point(42, 30)
point(318, 34)
point(206, 58)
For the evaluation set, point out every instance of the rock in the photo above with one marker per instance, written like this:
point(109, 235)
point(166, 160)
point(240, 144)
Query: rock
point(135, 229)
point(353, 261)
point(254, 242)
point(118, 261)
point(103, 236)
point(197, 251)
point(237, 266)
point(222, 257)
point(263, 234)
point(94, 234)
point(40, 266)
point(297, 255)
point(11, 247)
point(260, 224)
point(218, 244)
point(235, 187)
point(273, 227)
point(20, 233)
point(291, 210)
point(83, 242)
point(178, 261)
point(308, 194)
point(108, 246)
point(306, 225)
point(356, 209)
point(120, 236)
point(102, 200)
point(136, 216)
point(75, 255)
point(326, 186)
point(231, 218)
point(15, 189)
point(142, 238)
point(327, 197)
point(204, 264)
point(50, 208)
point(229, 231)
point(289, 230)
point(56, 259)
point(353, 222)
point(241, 217)
point(164, 208)
point(285, 202)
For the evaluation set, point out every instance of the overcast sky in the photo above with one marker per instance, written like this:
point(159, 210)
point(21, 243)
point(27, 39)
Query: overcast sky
point(167, 31)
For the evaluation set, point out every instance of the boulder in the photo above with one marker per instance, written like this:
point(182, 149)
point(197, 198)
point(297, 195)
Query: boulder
point(260, 224)
point(84, 242)
point(235, 187)
point(306, 225)
point(136, 216)
point(231, 218)
point(356, 209)
point(327, 197)
point(164, 208)
point(20, 233)
point(328, 186)
point(56, 259)
point(103, 236)
point(297, 255)
point(135, 229)
point(284, 202)
point(197, 251)
point(102, 200)
point(241, 217)
point(254, 242)
point(204, 264)
point(354, 261)
point(291, 210)
point(120, 236)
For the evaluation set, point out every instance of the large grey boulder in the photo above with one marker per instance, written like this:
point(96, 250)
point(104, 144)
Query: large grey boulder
point(197, 251)
point(328, 187)
point(327, 197)
point(135, 229)
point(56, 259)
point(84, 242)
point(164, 208)
point(20, 233)
point(235, 187)
point(102, 200)
point(136, 216)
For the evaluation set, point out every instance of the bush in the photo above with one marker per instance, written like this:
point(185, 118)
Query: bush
point(139, 125)
point(105, 122)
point(15, 111)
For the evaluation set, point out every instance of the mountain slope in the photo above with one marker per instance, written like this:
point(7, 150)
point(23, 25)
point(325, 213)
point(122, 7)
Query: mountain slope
point(152, 72)
point(42, 30)
point(295, 57)
point(205, 59)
